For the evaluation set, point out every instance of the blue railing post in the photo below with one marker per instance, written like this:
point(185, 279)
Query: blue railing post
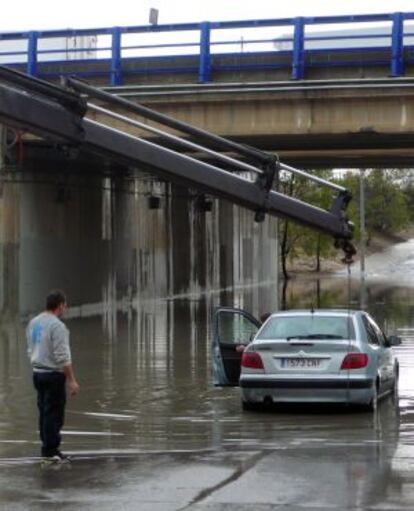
point(298, 64)
point(204, 71)
point(116, 67)
point(397, 44)
point(32, 53)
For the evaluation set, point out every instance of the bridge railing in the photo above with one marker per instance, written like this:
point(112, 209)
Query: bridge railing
point(296, 43)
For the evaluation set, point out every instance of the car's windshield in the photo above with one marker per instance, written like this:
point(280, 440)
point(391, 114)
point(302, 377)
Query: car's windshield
point(312, 326)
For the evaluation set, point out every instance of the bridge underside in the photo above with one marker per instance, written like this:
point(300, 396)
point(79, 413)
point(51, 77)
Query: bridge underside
point(309, 152)
point(365, 150)
point(324, 124)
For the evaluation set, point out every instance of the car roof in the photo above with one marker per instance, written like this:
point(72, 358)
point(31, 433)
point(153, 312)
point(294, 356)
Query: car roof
point(317, 312)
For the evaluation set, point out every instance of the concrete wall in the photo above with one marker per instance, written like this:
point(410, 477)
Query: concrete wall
point(96, 237)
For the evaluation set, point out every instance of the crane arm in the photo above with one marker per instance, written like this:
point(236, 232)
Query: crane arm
point(53, 113)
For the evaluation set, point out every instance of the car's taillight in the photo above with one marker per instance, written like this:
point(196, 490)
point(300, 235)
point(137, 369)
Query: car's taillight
point(252, 360)
point(355, 361)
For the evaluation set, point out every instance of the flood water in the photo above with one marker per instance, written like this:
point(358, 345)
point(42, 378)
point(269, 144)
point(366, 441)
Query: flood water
point(146, 391)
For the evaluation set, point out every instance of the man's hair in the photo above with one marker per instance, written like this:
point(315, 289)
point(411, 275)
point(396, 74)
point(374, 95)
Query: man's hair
point(54, 299)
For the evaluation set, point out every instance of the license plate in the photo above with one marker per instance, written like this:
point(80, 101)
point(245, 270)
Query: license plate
point(301, 363)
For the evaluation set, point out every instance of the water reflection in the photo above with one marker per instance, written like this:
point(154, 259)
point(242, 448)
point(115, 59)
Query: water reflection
point(146, 379)
point(345, 461)
point(146, 388)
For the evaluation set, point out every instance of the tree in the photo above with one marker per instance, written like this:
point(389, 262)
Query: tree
point(386, 204)
point(288, 233)
point(388, 194)
point(409, 194)
point(315, 242)
point(296, 240)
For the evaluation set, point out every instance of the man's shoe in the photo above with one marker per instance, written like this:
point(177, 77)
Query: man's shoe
point(57, 459)
point(63, 458)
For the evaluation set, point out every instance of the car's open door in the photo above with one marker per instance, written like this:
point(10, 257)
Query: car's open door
point(232, 329)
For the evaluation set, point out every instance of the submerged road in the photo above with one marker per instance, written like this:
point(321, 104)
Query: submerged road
point(150, 432)
point(290, 459)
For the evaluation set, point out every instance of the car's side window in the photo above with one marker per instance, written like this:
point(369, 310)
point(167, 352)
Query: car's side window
point(371, 333)
point(378, 332)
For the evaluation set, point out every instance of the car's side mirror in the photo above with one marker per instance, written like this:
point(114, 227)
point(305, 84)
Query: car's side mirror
point(394, 340)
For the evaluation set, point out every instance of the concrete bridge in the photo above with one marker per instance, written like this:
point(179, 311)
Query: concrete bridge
point(93, 227)
point(322, 92)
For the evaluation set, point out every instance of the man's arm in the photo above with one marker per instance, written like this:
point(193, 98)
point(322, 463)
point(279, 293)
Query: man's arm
point(29, 340)
point(70, 378)
point(62, 355)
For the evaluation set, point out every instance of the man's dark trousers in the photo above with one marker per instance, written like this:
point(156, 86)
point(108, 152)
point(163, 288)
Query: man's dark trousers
point(51, 400)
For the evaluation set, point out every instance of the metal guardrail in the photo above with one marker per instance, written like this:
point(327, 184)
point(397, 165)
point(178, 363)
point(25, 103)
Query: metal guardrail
point(293, 38)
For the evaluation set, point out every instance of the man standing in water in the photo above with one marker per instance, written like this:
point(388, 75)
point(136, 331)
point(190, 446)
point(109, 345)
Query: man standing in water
point(50, 357)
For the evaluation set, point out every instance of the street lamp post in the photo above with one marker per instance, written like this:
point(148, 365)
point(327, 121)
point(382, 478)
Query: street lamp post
point(362, 234)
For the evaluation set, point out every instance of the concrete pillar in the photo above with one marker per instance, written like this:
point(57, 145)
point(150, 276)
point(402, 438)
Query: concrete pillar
point(2, 146)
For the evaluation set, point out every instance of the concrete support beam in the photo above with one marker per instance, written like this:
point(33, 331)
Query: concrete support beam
point(289, 113)
point(374, 124)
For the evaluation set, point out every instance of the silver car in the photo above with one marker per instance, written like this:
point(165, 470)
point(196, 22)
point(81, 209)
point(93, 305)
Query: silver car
point(331, 356)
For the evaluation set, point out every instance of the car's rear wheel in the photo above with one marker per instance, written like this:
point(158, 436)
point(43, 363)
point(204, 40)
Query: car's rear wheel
point(395, 386)
point(373, 404)
point(248, 406)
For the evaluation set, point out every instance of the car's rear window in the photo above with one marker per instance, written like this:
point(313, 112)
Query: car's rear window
point(308, 327)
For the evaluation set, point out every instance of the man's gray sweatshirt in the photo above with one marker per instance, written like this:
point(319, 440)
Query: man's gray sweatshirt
point(48, 343)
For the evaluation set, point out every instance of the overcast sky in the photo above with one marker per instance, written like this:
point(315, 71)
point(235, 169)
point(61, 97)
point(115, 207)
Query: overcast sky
point(50, 14)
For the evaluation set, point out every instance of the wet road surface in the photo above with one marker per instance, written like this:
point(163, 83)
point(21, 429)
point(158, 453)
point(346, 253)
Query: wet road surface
point(185, 445)
point(278, 459)
point(150, 432)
